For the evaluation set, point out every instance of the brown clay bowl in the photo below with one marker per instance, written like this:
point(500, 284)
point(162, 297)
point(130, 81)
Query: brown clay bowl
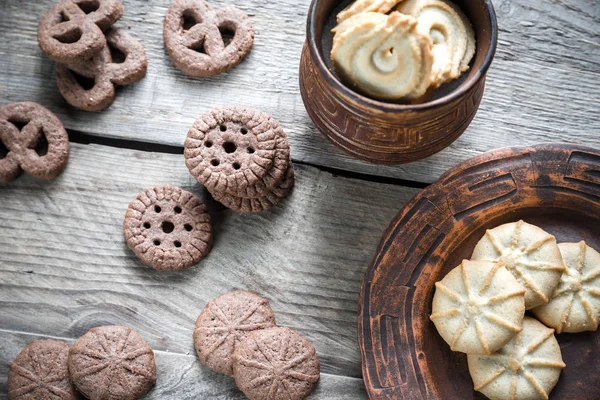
point(390, 133)
point(554, 186)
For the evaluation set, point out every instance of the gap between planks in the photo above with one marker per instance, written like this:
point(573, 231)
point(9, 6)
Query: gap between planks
point(87, 139)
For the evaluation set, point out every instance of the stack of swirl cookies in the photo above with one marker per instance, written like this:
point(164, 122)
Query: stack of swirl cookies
point(242, 157)
point(479, 308)
point(91, 55)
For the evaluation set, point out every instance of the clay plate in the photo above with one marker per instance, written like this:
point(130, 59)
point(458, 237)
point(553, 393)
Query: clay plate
point(554, 186)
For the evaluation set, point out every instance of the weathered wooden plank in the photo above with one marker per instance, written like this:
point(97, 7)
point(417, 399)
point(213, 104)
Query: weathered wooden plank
point(540, 87)
point(182, 377)
point(64, 266)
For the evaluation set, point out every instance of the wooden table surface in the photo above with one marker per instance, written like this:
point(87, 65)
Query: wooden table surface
point(64, 266)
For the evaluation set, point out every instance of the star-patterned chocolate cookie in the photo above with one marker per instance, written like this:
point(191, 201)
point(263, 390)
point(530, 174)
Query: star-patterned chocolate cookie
point(274, 364)
point(40, 372)
point(224, 323)
point(112, 362)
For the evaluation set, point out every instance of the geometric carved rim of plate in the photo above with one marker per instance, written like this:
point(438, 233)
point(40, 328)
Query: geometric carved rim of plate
point(402, 354)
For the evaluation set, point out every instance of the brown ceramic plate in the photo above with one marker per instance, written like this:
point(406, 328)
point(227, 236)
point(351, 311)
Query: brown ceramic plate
point(554, 186)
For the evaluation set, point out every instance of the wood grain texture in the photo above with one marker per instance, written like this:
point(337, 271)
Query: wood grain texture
point(556, 187)
point(182, 377)
point(64, 265)
point(541, 86)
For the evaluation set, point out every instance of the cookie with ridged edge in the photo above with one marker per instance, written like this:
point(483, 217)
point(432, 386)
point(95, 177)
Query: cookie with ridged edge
point(231, 148)
point(529, 253)
point(40, 371)
point(527, 368)
point(273, 178)
point(262, 203)
point(478, 307)
point(224, 323)
point(575, 304)
point(168, 228)
point(276, 363)
point(112, 362)
point(35, 141)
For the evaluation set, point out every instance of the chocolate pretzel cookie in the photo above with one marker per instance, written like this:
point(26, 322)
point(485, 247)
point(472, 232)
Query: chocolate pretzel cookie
point(32, 139)
point(193, 34)
point(168, 228)
point(104, 72)
point(71, 31)
point(40, 371)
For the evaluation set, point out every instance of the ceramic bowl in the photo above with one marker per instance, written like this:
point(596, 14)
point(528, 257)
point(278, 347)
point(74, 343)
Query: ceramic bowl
point(391, 133)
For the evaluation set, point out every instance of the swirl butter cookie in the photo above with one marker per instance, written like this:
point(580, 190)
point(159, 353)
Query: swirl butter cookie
point(40, 371)
point(168, 228)
point(575, 304)
point(362, 6)
point(194, 37)
point(383, 56)
point(103, 73)
point(32, 139)
point(224, 323)
point(478, 307)
point(529, 253)
point(528, 367)
point(450, 32)
point(112, 362)
point(71, 31)
point(276, 363)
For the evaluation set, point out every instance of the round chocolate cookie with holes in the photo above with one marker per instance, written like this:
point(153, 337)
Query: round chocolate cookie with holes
point(204, 42)
point(168, 228)
point(40, 371)
point(224, 323)
point(112, 362)
point(242, 157)
point(276, 363)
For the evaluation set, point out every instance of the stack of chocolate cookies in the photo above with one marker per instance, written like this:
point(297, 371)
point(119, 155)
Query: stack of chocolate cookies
point(92, 56)
point(242, 157)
